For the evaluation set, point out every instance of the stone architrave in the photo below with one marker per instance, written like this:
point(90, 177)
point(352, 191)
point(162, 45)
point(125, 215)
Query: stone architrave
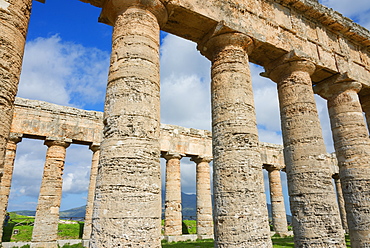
point(352, 147)
point(14, 18)
point(95, 148)
point(341, 204)
point(312, 197)
point(45, 231)
point(279, 220)
point(240, 214)
point(6, 180)
point(204, 198)
point(127, 207)
point(173, 214)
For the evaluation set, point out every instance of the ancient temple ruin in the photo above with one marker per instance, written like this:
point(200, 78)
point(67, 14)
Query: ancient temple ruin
point(304, 47)
point(60, 126)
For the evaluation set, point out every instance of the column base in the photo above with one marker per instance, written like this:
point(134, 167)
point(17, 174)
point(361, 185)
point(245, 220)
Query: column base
point(186, 237)
point(205, 236)
point(85, 242)
point(51, 244)
point(283, 234)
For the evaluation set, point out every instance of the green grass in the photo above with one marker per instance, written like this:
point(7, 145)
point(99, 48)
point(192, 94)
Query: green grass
point(278, 242)
point(189, 227)
point(24, 226)
point(347, 241)
point(70, 231)
point(188, 244)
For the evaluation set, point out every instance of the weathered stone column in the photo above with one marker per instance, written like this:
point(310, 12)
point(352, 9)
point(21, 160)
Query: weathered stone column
point(6, 181)
point(95, 148)
point(127, 207)
point(352, 147)
point(45, 231)
point(240, 214)
point(204, 198)
point(279, 221)
point(173, 214)
point(316, 220)
point(340, 200)
point(14, 17)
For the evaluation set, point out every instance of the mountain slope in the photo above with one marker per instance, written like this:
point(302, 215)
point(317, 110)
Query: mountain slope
point(189, 209)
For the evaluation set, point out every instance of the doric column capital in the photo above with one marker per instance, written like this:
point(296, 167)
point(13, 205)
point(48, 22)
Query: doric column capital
point(172, 155)
point(336, 85)
point(222, 37)
point(94, 147)
point(200, 159)
point(273, 167)
point(15, 137)
point(113, 8)
point(53, 141)
point(288, 63)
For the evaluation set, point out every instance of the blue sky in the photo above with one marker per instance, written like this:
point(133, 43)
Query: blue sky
point(66, 62)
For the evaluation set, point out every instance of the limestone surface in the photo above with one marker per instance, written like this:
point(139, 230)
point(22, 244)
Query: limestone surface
point(91, 192)
point(45, 229)
point(14, 18)
point(127, 207)
point(240, 213)
point(352, 146)
point(204, 200)
point(279, 220)
point(6, 179)
point(312, 197)
point(173, 215)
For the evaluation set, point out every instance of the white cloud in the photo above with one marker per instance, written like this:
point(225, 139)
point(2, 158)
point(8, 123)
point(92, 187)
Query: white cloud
point(357, 10)
point(180, 57)
point(76, 177)
point(28, 170)
point(185, 84)
point(63, 72)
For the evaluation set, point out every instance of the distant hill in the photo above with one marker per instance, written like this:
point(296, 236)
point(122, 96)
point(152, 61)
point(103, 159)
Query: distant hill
point(74, 212)
point(189, 209)
point(25, 212)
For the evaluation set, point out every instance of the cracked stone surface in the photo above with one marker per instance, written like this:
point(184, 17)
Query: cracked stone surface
point(312, 197)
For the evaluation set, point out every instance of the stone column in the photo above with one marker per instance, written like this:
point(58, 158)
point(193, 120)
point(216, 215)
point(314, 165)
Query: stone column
point(279, 221)
point(127, 207)
point(95, 148)
point(6, 181)
point(173, 214)
point(240, 214)
point(340, 200)
point(316, 220)
point(352, 147)
point(204, 198)
point(45, 231)
point(14, 18)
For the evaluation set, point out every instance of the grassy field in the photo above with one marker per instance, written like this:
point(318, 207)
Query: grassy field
point(20, 228)
point(277, 241)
